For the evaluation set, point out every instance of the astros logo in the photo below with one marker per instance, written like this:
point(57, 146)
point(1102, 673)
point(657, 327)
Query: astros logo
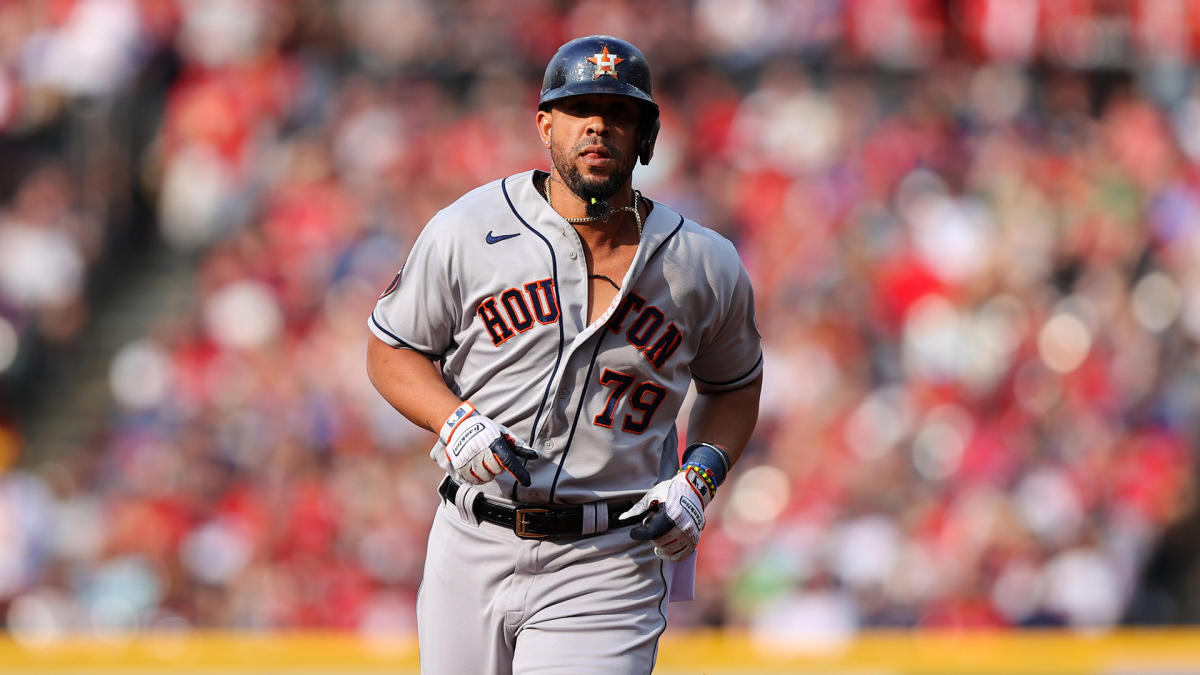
point(606, 64)
point(392, 286)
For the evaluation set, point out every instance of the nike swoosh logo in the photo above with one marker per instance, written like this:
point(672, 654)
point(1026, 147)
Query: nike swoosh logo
point(493, 239)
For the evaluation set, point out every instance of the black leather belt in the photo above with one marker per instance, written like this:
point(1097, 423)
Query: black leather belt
point(536, 521)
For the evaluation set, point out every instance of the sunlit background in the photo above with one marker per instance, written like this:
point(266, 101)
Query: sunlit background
point(973, 228)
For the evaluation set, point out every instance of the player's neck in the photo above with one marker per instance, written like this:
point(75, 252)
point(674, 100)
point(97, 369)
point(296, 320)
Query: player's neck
point(572, 207)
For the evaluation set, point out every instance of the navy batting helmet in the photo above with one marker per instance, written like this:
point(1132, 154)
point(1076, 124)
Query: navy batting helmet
point(601, 64)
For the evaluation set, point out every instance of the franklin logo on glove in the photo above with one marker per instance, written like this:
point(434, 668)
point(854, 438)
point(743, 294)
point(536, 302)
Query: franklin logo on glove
point(696, 514)
point(461, 440)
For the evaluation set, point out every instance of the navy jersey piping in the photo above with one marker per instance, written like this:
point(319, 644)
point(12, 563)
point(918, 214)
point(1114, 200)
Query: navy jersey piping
point(729, 382)
point(588, 378)
point(662, 574)
point(561, 330)
point(403, 344)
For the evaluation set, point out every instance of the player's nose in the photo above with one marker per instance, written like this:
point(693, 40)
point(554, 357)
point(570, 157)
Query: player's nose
point(597, 126)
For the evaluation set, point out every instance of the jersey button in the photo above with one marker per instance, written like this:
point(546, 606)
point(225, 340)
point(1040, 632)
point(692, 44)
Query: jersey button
point(572, 255)
point(549, 445)
point(562, 393)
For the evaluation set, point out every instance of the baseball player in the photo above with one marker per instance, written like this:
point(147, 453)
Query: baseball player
point(547, 327)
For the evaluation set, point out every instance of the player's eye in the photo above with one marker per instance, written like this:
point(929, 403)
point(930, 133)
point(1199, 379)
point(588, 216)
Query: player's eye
point(576, 108)
point(613, 112)
point(620, 114)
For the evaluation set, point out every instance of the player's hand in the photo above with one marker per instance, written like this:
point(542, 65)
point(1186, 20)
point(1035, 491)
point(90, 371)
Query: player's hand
point(479, 449)
point(673, 514)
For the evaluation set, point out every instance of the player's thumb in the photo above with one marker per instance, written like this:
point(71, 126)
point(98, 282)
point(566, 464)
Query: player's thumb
point(505, 453)
point(653, 526)
point(523, 451)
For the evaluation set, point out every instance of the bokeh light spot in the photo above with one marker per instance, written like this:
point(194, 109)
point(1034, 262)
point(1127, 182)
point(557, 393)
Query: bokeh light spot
point(1064, 342)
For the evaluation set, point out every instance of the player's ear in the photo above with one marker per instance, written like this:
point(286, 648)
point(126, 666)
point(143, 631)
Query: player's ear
point(544, 120)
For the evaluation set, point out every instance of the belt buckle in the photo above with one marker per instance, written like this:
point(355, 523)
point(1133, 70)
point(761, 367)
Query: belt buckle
point(520, 526)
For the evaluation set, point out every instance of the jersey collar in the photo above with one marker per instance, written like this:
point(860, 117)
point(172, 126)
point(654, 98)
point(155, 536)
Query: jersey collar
point(533, 208)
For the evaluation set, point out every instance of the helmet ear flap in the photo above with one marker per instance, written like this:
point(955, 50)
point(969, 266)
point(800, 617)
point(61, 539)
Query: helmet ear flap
point(646, 144)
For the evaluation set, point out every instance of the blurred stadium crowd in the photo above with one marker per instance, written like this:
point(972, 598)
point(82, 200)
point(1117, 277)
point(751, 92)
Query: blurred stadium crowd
point(974, 230)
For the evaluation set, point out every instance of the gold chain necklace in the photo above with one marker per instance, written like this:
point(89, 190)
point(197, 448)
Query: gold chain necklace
point(637, 212)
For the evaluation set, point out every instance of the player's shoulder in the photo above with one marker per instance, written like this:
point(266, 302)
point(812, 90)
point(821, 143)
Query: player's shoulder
point(698, 242)
point(697, 256)
point(466, 208)
point(475, 209)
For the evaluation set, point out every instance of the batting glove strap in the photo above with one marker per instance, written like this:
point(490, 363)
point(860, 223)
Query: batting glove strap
point(705, 475)
point(709, 460)
point(454, 421)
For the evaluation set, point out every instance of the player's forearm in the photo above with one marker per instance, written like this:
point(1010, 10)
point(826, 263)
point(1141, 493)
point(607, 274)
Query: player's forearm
point(411, 383)
point(726, 418)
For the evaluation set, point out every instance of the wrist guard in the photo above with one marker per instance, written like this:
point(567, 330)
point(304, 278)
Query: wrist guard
point(710, 462)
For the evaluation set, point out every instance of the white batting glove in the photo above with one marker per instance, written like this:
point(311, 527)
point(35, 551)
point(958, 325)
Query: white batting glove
point(674, 514)
point(479, 449)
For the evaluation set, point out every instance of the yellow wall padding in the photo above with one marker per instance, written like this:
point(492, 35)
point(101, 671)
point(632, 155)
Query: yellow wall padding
point(1044, 652)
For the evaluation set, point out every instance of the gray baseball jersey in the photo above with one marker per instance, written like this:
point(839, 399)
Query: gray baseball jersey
point(496, 289)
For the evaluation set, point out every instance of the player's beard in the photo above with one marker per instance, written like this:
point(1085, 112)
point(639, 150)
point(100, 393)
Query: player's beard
point(594, 191)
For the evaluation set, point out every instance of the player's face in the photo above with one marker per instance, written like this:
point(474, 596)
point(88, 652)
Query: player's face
point(593, 142)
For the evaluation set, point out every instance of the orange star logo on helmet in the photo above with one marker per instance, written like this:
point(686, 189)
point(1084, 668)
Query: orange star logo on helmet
point(606, 64)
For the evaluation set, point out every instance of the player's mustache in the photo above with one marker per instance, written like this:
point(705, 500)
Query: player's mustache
point(612, 151)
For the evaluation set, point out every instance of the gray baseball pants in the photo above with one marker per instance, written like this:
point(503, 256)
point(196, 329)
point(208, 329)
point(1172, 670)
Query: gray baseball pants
point(491, 602)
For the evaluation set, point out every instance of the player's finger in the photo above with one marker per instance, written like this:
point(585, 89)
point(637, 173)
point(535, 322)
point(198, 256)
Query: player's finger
point(502, 450)
point(671, 540)
point(675, 557)
point(524, 452)
point(514, 467)
point(654, 526)
point(675, 547)
point(520, 449)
